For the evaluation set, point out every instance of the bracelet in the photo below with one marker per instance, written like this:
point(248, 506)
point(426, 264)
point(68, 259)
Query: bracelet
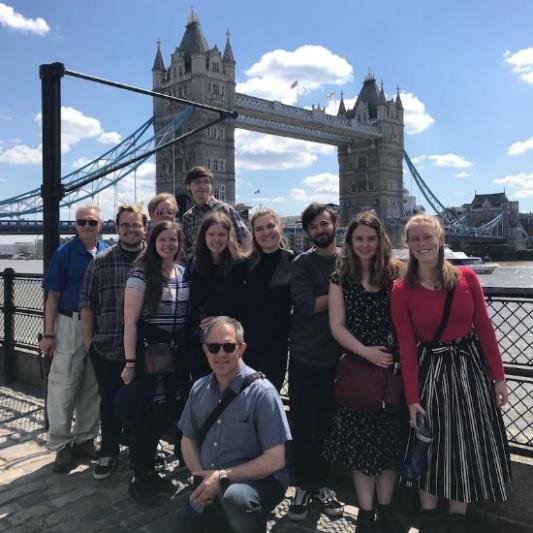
point(49, 336)
point(131, 360)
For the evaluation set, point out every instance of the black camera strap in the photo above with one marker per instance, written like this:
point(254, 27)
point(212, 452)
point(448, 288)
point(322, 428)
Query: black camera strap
point(221, 406)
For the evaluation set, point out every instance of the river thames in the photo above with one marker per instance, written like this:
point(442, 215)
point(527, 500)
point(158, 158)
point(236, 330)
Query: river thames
point(509, 274)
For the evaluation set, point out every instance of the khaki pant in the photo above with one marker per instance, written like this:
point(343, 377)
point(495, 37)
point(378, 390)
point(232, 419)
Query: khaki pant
point(72, 388)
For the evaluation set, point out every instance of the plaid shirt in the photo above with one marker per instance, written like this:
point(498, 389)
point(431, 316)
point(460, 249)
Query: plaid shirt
point(103, 292)
point(192, 220)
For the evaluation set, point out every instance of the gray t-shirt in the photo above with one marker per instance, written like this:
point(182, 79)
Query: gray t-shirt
point(252, 423)
point(311, 341)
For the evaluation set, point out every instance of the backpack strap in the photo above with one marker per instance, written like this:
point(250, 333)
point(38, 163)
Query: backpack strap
point(445, 316)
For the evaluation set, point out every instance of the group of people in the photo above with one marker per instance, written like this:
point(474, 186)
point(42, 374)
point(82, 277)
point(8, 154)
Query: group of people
point(189, 328)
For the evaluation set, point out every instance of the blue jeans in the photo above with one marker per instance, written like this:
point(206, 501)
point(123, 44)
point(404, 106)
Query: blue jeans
point(241, 508)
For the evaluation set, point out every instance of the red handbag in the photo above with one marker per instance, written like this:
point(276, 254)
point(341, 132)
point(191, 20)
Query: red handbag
point(365, 387)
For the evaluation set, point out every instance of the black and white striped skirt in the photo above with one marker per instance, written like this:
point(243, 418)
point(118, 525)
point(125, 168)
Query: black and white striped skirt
point(469, 457)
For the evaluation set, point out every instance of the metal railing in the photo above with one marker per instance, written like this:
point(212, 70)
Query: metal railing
point(510, 309)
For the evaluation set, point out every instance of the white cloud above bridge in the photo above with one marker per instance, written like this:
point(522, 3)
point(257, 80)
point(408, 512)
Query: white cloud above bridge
point(323, 187)
point(14, 20)
point(416, 118)
point(312, 66)
point(259, 151)
point(449, 160)
point(521, 63)
point(520, 147)
point(521, 183)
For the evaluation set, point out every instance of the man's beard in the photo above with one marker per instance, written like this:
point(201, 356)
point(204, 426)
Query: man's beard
point(323, 240)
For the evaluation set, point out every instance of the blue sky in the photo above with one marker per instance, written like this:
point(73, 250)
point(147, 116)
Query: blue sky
point(465, 71)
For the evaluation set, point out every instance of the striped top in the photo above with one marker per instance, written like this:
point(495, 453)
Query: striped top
point(177, 287)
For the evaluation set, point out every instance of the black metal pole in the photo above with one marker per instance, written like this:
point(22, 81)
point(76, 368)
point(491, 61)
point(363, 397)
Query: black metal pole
point(52, 190)
point(9, 326)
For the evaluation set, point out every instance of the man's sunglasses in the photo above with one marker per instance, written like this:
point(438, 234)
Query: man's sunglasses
point(228, 347)
point(82, 222)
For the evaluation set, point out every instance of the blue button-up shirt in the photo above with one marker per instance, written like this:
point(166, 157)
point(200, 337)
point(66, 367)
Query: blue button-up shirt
point(66, 271)
point(252, 423)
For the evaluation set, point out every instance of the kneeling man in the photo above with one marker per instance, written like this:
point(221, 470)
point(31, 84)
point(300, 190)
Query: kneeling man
point(239, 460)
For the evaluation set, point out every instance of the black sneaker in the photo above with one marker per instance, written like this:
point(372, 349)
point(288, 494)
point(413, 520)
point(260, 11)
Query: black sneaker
point(161, 485)
point(64, 461)
point(141, 489)
point(104, 467)
point(299, 505)
point(327, 500)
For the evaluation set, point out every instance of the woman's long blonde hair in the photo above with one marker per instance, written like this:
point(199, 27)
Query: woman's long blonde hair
point(257, 252)
point(445, 272)
point(384, 268)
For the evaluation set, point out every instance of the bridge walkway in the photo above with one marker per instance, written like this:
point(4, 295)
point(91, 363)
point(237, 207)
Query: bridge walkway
point(35, 499)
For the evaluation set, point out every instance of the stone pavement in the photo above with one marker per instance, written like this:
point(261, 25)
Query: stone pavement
point(35, 499)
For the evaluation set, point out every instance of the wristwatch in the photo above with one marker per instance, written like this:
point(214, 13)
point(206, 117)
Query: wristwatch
point(223, 479)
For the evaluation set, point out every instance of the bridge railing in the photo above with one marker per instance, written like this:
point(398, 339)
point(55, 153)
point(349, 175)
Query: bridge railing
point(510, 309)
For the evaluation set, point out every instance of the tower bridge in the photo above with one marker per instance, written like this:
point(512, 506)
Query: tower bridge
point(369, 139)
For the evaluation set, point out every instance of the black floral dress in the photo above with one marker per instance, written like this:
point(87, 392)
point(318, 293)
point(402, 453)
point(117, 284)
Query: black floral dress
point(368, 442)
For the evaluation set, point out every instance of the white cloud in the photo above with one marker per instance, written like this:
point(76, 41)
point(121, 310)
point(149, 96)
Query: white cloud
point(522, 184)
point(418, 159)
point(110, 137)
point(75, 126)
point(522, 63)
point(312, 66)
point(322, 187)
point(269, 200)
point(463, 174)
point(520, 147)
point(449, 160)
point(3, 116)
point(258, 151)
point(14, 20)
point(21, 155)
point(415, 116)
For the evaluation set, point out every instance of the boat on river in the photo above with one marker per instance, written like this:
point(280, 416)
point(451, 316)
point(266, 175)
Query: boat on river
point(478, 265)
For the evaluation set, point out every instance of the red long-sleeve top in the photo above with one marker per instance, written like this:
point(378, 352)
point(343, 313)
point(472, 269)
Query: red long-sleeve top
point(417, 312)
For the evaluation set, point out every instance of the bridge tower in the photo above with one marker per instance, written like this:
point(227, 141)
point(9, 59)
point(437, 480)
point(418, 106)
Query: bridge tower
point(202, 74)
point(370, 171)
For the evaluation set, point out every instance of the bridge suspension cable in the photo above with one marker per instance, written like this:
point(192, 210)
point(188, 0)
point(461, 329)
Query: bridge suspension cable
point(455, 225)
point(104, 171)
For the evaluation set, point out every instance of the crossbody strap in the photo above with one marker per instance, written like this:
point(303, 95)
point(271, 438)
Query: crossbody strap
point(445, 316)
point(221, 406)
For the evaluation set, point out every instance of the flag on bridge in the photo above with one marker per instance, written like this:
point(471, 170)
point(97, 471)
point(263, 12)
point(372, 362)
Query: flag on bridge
point(257, 192)
point(331, 95)
point(294, 84)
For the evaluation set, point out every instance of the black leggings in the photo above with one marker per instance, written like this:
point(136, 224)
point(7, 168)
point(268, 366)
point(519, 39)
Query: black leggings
point(146, 429)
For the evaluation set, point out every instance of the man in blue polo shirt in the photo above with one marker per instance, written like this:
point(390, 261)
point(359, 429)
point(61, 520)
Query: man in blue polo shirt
point(240, 462)
point(72, 387)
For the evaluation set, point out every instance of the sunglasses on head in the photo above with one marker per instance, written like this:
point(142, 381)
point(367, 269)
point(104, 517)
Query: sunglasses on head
point(82, 222)
point(228, 347)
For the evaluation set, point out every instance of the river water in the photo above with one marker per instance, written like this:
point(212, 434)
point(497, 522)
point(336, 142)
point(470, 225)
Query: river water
point(509, 274)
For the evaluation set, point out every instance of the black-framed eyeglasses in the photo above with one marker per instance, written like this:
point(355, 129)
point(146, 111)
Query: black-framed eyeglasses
point(228, 347)
point(83, 222)
point(127, 225)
